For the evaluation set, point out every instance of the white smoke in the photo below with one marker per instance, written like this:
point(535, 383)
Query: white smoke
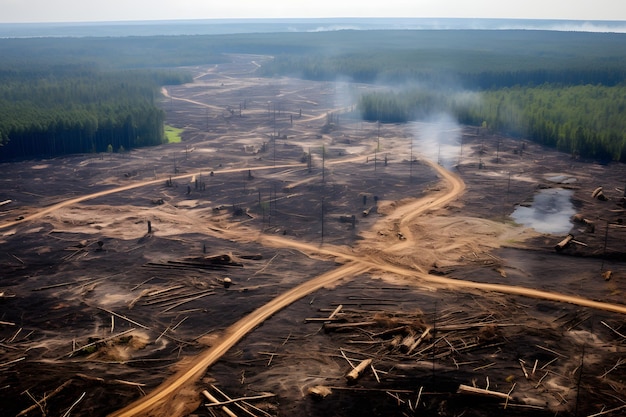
point(437, 138)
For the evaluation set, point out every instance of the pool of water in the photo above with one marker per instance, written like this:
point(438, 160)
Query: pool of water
point(550, 212)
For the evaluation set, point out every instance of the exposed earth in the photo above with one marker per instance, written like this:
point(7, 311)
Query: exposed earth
point(133, 282)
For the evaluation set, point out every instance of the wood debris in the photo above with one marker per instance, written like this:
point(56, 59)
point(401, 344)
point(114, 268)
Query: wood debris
point(319, 391)
point(466, 389)
point(228, 404)
point(358, 371)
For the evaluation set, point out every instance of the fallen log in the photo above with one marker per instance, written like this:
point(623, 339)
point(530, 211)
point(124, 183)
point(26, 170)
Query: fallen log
point(598, 194)
point(563, 243)
point(466, 389)
point(319, 391)
point(366, 212)
point(358, 371)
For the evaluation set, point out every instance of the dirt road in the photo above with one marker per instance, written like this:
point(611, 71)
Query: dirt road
point(72, 201)
point(158, 402)
point(370, 256)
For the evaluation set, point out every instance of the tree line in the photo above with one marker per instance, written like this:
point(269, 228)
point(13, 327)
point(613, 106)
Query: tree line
point(560, 89)
point(61, 95)
point(426, 67)
point(585, 120)
point(57, 110)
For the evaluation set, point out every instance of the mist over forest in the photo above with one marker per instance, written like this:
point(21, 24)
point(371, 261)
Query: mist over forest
point(82, 94)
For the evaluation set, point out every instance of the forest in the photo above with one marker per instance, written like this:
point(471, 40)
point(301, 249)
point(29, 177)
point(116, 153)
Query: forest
point(562, 89)
point(586, 120)
point(77, 109)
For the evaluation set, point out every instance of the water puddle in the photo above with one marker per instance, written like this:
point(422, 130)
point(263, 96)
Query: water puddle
point(550, 212)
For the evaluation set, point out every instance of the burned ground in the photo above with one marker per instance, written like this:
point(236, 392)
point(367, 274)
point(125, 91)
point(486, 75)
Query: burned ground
point(111, 295)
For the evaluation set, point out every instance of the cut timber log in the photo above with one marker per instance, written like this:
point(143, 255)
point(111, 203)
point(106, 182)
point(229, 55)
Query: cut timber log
point(357, 372)
point(466, 389)
point(319, 391)
point(564, 243)
point(578, 218)
point(367, 212)
point(598, 194)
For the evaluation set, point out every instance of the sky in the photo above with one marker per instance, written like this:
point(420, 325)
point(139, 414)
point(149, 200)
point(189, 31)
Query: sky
point(22, 11)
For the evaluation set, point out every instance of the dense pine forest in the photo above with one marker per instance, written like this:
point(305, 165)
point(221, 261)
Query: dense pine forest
point(562, 89)
point(585, 120)
point(57, 99)
point(76, 109)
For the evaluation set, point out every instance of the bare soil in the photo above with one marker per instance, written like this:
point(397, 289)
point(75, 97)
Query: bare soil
point(111, 295)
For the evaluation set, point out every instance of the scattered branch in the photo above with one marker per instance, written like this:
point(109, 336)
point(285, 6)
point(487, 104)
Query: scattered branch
point(67, 413)
point(235, 400)
point(44, 399)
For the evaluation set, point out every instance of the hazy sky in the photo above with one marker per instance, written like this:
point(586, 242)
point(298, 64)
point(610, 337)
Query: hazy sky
point(111, 10)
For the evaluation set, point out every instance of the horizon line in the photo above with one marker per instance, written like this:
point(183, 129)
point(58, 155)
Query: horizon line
point(144, 21)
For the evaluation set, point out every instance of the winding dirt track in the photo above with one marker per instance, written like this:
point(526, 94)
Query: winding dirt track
point(115, 190)
point(355, 265)
point(147, 405)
